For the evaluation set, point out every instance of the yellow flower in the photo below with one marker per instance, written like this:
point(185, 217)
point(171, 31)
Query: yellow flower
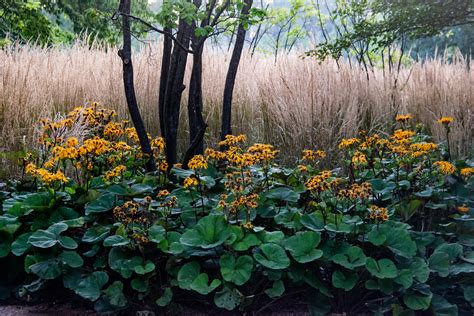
point(158, 143)
point(248, 225)
point(303, 168)
point(190, 182)
point(231, 140)
point(403, 118)
point(163, 193)
point(346, 143)
point(313, 155)
point(378, 213)
point(445, 167)
point(197, 162)
point(463, 209)
point(467, 171)
point(72, 142)
point(262, 152)
point(359, 158)
point(116, 172)
point(446, 120)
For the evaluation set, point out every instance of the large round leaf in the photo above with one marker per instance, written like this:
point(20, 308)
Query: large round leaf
point(382, 269)
point(350, 258)
point(272, 257)
point(417, 301)
point(236, 271)
point(47, 270)
point(302, 246)
point(209, 232)
point(344, 281)
point(90, 287)
point(227, 298)
point(103, 204)
point(202, 286)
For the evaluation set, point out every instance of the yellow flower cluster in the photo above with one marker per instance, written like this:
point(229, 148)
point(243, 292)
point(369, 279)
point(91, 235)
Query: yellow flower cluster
point(198, 162)
point(158, 143)
point(116, 172)
point(311, 155)
point(403, 118)
point(113, 130)
point(190, 182)
point(248, 201)
point(231, 140)
point(445, 167)
point(466, 172)
point(131, 212)
point(420, 149)
point(463, 209)
point(358, 158)
point(141, 238)
point(320, 182)
point(163, 194)
point(262, 152)
point(377, 212)
point(446, 120)
point(349, 142)
point(362, 191)
point(48, 178)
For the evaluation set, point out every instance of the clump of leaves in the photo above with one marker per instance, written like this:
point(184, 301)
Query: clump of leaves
point(388, 231)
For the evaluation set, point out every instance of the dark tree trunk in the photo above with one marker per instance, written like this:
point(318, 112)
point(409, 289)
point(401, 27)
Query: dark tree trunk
point(174, 90)
point(165, 68)
point(226, 128)
point(126, 54)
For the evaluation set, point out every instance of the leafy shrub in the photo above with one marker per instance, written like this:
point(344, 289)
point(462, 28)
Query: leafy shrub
point(391, 230)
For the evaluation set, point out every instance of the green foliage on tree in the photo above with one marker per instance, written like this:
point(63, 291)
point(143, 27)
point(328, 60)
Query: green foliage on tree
point(49, 21)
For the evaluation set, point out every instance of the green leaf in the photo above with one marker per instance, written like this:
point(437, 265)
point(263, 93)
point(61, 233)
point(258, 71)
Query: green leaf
point(227, 298)
point(114, 294)
point(103, 204)
point(313, 221)
point(202, 286)
point(43, 239)
point(345, 281)
point(236, 271)
point(272, 257)
point(302, 246)
point(417, 301)
point(165, 300)
point(156, 233)
point(382, 269)
point(276, 290)
point(5, 243)
point(439, 262)
point(351, 257)
point(441, 306)
point(20, 245)
point(282, 194)
point(249, 240)
point(273, 237)
point(91, 286)
point(115, 241)
point(95, 234)
point(72, 259)
point(139, 285)
point(420, 269)
point(376, 237)
point(47, 270)
point(187, 274)
point(404, 278)
point(67, 242)
point(209, 232)
point(469, 294)
point(145, 268)
point(452, 250)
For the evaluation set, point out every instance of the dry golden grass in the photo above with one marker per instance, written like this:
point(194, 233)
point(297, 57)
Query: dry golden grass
point(294, 104)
